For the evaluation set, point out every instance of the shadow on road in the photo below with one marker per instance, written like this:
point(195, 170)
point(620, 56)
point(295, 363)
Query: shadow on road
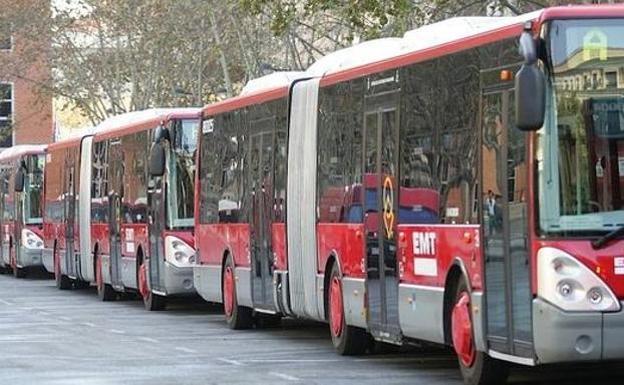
point(570, 374)
point(35, 274)
point(432, 362)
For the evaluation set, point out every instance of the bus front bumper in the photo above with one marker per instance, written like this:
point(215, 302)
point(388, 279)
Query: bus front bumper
point(178, 280)
point(29, 257)
point(561, 336)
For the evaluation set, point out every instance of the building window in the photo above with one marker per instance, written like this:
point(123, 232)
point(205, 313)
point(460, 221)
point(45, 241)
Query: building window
point(6, 112)
point(611, 78)
point(6, 43)
point(6, 40)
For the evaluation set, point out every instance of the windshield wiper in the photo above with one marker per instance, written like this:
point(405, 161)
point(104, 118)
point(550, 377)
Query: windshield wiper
point(603, 241)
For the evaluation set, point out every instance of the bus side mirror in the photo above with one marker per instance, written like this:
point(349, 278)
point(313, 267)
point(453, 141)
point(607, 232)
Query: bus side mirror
point(19, 180)
point(530, 88)
point(161, 134)
point(151, 187)
point(157, 160)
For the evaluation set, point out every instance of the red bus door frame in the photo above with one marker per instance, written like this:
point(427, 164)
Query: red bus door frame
point(380, 159)
point(18, 223)
point(69, 182)
point(505, 231)
point(4, 179)
point(115, 199)
point(262, 147)
point(157, 216)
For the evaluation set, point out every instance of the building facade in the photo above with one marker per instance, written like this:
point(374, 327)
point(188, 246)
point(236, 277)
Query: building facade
point(26, 115)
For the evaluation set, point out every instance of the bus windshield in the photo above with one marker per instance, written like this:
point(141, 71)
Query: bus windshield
point(181, 182)
point(33, 191)
point(580, 152)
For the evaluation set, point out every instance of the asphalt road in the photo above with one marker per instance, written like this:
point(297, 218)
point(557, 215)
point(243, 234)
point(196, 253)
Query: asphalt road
point(50, 337)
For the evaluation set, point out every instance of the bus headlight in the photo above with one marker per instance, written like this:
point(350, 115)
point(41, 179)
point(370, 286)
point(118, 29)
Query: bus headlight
point(570, 285)
point(178, 252)
point(30, 240)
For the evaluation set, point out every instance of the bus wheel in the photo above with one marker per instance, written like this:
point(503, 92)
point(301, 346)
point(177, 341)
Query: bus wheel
point(61, 280)
point(347, 340)
point(151, 301)
point(237, 317)
point(477, 368)
point(104, 291)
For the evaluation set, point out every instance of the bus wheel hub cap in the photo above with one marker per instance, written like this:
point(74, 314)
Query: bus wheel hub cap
point(336, 307)
point(462, 331)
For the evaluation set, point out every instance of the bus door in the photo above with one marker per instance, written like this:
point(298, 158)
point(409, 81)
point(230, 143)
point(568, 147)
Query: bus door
point(3, 222)
point(504, 217)
point(261, 189)
point(69, 205)
point(18, 223)
point(156, 226)
point(380, 198)
point(115, 200)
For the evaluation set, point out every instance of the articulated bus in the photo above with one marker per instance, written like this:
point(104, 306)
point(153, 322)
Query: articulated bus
point(21, 198)
point(439, 187)
point(108, 221)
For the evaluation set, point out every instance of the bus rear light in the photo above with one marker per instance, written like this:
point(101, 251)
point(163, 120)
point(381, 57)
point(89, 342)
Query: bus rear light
point(30, 240)
point(178, 252)
point(567, 283)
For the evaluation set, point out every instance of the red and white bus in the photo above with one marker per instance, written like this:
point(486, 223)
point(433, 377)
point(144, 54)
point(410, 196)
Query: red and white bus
point(505, 244)
point(108, 221)
point(21, 198)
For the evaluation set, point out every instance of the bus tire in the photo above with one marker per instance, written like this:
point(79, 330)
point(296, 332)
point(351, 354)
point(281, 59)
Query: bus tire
point(237, 317)
point(151, 301)
point(347, 340)
point(477, 368)
point(61, 280)
point(105, 291)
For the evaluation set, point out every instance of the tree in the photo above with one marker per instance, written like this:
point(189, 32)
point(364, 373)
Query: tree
point(377, 18)
point(110, 57)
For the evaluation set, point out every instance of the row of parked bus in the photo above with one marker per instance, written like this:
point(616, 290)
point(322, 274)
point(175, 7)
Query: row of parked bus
point(443, 187)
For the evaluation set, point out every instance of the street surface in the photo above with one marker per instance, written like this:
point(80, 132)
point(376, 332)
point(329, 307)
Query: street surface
point(51, 337)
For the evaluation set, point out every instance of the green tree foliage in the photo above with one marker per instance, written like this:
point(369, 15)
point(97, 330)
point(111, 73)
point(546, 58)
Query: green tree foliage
point(110, 56)
point(368, 17)
point(375, 18)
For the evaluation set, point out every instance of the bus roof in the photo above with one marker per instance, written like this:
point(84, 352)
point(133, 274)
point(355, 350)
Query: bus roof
point(130, 122)
point(274, 80)
point(129, 119)
point(258, 96)
point(21, 150)
point(429, 41)
point(140, 120)
point(354, 60)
